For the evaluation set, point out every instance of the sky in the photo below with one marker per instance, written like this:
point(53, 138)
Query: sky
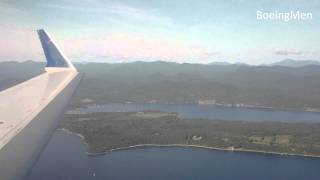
point(190, 31)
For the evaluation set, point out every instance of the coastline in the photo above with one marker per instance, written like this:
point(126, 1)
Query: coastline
point(266, 108)
point(67, 131)
point(227, 149)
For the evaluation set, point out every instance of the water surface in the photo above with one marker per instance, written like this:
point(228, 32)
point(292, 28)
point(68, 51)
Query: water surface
point(65, 159)
point(212, 112)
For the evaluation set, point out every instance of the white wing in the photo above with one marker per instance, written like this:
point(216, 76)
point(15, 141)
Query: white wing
point(30, 111)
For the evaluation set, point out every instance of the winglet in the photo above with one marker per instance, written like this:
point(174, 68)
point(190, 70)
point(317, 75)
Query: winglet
point(55, 58)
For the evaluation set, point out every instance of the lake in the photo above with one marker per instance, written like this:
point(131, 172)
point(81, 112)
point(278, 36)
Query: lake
point(211, 112)
point(64, 159)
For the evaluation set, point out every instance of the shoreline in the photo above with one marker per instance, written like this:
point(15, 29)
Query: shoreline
point(67, 131)
point(266, 108)
point(227, 149)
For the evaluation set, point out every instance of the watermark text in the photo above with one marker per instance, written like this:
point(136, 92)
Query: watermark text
point(284, 16)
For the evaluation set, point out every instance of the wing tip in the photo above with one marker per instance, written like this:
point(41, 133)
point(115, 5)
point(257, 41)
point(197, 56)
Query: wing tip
point(39, 30)
point(54, 57)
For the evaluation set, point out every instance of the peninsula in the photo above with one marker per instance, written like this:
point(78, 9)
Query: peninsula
point(103, 132)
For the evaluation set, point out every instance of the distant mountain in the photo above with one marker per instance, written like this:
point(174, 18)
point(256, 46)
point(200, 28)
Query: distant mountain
point(295, 63)
point(222, 63)
point(167, 82)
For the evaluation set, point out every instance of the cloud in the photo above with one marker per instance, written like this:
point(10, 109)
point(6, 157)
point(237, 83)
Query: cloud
point(141, 15)
point(212, 53)
point(298, 54)
point(118, 11)
point(289, 51)
point(128, 47)
point(19, 44)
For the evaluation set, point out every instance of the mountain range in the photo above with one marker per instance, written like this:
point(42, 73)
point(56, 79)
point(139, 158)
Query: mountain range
point(166, 82)
point(295, 63)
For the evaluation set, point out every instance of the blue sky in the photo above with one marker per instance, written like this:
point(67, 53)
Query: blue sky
point(176, 30)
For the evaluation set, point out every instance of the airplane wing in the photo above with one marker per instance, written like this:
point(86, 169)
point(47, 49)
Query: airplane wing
point(30, 111)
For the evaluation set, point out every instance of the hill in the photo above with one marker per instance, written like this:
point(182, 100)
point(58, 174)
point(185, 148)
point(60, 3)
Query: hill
point(163, 82)
point(296, 63)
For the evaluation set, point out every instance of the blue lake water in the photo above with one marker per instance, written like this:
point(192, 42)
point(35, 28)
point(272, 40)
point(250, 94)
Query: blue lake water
point(213, 112)
point(65, 159)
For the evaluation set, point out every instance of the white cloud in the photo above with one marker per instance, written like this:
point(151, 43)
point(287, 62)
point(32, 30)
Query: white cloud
point(141, 15)
point(19, 44)
point(290, 51)
point(128, 47)
point(123, 12)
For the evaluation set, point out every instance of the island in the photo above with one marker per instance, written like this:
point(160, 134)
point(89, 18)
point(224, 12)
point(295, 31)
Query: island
point(107, 131)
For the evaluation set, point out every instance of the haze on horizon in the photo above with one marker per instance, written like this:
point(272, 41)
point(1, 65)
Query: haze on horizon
point(177, 31)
